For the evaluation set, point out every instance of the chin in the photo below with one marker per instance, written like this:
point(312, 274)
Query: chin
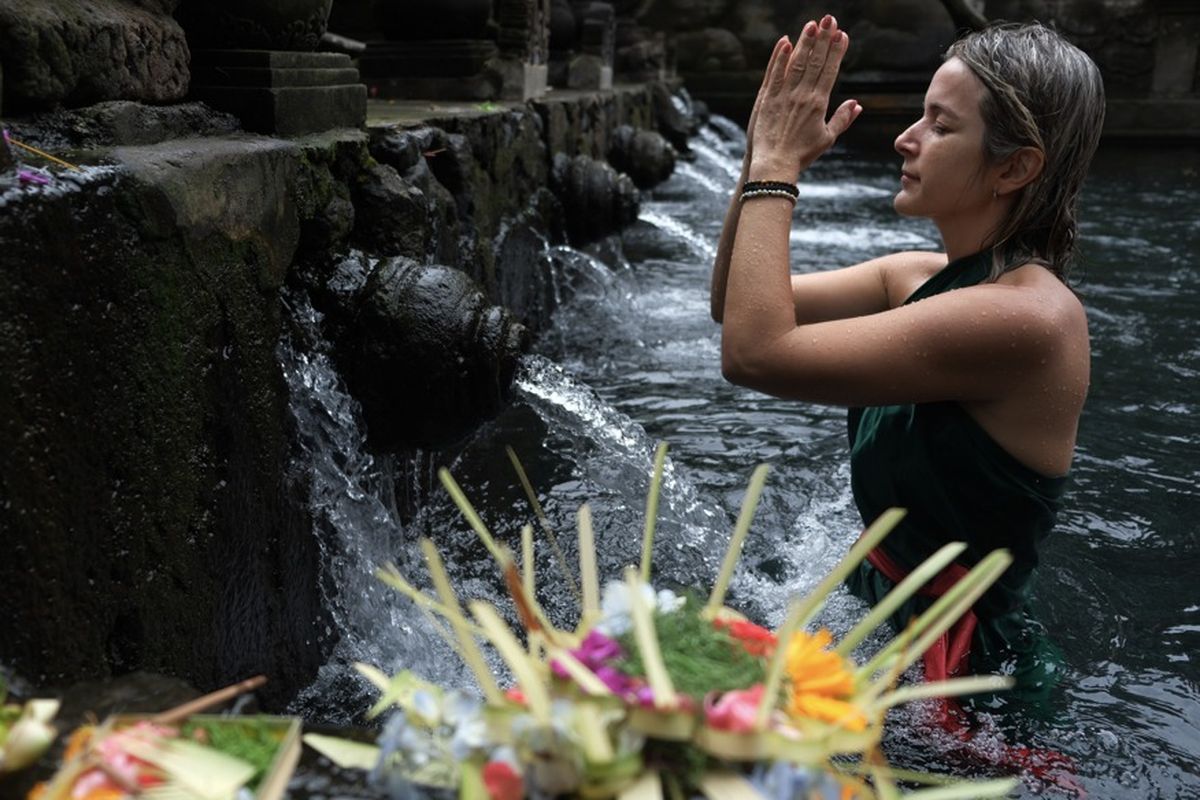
point(902, 205)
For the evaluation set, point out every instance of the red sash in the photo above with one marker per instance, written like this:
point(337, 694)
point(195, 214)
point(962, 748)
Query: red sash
point(950, 657)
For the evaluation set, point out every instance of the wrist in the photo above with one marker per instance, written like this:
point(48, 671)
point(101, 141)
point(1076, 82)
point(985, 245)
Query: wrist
point(764, 169)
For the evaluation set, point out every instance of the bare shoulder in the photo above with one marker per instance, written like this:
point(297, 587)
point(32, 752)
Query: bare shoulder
point(1054, 300)
point(904, 272)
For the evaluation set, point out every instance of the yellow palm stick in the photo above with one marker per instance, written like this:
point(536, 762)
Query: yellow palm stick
point(775, 667)
point(527, 575)
point(897, 596)
point(660, 459)
point(911, 643)
point(734, 551)
point(587, 568)
point(528, 676)
point(579, 672)
point(44, 155)
point(468, 511)
point(391, 576)
point(647, 642)
point(872, 536)
point(952, 687)
point(802, 611)
point(458, 621)
point(545, 523)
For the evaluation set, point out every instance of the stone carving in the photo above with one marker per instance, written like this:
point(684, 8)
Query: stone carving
point(597, 199)
point(524, 43)
point(645, 156)
point(255, 24)
point(436, 48)
point(76, 52)
point(592, 68)
point(6, 157)
point(709, 50)
point(431, 356)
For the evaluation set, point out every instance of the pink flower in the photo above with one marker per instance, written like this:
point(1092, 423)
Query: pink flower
point(735, 710)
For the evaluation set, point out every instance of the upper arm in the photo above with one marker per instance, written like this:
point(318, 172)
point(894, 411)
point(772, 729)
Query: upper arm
point(866, 288)
point(974, 343)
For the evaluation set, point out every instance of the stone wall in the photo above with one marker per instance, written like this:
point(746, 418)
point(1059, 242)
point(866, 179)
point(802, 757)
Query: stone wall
point(1146, 49)
point(147, 512)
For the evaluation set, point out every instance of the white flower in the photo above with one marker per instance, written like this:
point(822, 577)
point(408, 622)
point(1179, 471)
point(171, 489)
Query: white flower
point(615, 608)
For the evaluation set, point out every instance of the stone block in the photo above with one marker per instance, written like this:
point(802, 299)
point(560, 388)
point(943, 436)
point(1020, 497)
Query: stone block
point(78, 52)
point(282, 92)
point(589, 72)
point(521, 81)
point(1175, 54)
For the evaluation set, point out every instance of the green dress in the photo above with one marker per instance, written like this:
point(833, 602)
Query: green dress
point(958, 484)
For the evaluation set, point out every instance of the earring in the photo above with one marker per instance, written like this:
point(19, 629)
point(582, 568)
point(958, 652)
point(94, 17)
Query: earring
point(995, 195)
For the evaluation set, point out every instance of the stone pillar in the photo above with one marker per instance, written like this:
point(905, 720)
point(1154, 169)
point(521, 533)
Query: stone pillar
point(564, 37)
point(592, 67)
point(524, 42)
point(7, 161)
point(641, 54)
point(253, 59)
point(1175, 50)
point(436, 49)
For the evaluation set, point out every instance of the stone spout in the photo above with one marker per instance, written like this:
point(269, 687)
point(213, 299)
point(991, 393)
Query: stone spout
point(429, 356)
point(645, 156)
point(597, 200)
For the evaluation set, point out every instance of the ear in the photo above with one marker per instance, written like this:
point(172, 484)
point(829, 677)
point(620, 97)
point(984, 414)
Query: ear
point(1019, 169)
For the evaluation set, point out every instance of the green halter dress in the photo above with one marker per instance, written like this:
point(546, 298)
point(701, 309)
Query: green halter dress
point(958, 484)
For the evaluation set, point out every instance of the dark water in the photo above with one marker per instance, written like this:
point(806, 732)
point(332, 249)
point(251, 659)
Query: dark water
point(633, 359)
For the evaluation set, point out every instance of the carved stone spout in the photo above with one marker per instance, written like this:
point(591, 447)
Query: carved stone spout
point(429, 357)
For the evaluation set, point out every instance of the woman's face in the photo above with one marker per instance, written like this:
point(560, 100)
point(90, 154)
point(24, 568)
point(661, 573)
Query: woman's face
point(944, 174)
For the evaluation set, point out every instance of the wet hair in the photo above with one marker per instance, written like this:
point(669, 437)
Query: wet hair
point(1043, 92)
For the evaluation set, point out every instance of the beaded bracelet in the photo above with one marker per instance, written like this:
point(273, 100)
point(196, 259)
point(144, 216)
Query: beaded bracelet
point(769, 189)
point(749, 194)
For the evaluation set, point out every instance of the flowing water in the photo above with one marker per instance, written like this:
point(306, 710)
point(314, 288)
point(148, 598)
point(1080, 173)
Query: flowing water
point(632, 359)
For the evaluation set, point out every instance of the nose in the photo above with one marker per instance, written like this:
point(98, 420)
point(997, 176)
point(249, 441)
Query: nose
point(906, 142)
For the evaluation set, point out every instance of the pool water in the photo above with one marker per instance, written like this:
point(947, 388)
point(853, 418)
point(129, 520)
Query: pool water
point(633, 358)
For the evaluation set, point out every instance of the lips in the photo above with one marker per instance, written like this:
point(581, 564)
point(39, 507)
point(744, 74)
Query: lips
point(905, 175)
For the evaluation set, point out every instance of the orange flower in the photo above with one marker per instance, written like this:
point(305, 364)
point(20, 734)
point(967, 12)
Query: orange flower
point(821, 682)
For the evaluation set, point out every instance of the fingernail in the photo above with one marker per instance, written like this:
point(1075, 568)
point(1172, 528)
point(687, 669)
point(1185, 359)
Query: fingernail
point(810, 28)
point(826, 21)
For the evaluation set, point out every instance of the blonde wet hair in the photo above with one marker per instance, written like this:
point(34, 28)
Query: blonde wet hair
point(1042, 92)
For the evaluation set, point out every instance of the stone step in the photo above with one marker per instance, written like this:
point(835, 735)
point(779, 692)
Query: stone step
point(223, 75)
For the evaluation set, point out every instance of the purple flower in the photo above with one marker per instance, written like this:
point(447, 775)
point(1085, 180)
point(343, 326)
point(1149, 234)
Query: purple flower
point(595, 652)
point(597, 649)
point(25, 176)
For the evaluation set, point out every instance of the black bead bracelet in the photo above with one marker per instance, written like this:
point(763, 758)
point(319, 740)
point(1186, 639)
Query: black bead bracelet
point(752, 189)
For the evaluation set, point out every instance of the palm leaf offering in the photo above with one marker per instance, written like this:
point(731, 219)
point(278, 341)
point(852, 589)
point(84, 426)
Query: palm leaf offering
point(653, 694)
point(25, 730)
point(179, 755)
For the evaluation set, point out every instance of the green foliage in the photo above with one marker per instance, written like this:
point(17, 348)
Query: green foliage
point(698, 657)
point(251, 739)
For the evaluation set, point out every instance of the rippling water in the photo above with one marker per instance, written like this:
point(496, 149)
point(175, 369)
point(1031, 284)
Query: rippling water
point(633, 359)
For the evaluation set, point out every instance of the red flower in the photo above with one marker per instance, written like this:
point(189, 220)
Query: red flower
point(502, 781)
point(757, 640)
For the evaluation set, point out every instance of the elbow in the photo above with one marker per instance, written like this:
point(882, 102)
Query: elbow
point(738, 366)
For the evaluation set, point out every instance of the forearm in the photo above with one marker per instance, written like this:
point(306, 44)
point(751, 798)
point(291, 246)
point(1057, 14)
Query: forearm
point(720, 270)
point(758, 308)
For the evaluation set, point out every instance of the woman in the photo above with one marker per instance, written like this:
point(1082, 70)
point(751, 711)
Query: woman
point(964, 405)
